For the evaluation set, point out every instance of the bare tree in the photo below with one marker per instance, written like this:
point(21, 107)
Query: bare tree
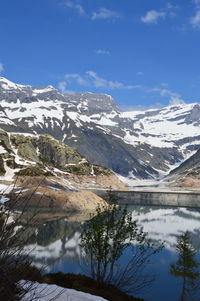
point(15, 263)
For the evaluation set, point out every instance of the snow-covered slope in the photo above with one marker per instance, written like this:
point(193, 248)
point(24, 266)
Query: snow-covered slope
point(145, 144)
point(164, 127)
point(46, 292)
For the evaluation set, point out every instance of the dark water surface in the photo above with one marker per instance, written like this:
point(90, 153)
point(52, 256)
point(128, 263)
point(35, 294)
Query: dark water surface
point(55, 245)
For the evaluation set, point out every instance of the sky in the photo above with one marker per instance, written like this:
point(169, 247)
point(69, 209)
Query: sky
point(142, 52)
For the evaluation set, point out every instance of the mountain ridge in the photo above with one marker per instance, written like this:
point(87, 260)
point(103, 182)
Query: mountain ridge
point(144, 145)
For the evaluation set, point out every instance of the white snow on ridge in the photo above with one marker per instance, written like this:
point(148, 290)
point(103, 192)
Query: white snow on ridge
point(105, 121)
point(96, 118)
point(151, 140)
point(159, 130)
point(7, 84)
point(38, 110)
point(37, 91)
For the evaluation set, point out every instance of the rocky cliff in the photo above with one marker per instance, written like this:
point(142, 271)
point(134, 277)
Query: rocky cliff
point(50, 173)
point(187, 174)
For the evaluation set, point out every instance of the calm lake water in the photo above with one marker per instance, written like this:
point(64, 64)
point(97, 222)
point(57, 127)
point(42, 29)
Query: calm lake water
point(55, 245)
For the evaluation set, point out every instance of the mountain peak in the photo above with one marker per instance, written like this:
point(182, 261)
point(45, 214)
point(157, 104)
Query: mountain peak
point(7, 84)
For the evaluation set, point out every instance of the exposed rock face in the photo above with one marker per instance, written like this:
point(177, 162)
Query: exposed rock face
point(194, 115)
point(57, 153)
point(59, 199)
point(45, 149)
point(187, 182)
point(51, 173)
point(188, 173)
point(189, 167)
point(4, 141)
point(137, 144)
point(98, 181)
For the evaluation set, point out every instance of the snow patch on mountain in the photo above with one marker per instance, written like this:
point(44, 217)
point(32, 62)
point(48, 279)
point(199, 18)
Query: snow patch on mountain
point(164, 127)
point(160, 138)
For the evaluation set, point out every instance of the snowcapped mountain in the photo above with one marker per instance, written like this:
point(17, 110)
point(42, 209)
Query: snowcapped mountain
point(141, 144)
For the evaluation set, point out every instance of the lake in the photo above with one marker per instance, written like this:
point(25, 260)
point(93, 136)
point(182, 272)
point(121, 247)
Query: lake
point(55, 244)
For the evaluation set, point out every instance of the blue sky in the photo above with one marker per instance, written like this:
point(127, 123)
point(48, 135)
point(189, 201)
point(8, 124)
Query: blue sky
point(141, 52)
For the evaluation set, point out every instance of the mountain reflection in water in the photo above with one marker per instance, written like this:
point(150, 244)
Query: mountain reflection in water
point(54, 244)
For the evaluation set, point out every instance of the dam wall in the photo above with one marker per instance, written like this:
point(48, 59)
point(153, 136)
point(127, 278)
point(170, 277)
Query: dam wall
point(153, 198)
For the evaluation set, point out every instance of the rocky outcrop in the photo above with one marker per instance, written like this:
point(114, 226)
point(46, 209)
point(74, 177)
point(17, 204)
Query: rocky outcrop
point(49, 198)
point(189, 167)
point(187, 174)
point(186, 182)
point(4, 141)
point(45, 156)
point(44, 149)
point(56, 153)
point(49, 174)
point(101, 181)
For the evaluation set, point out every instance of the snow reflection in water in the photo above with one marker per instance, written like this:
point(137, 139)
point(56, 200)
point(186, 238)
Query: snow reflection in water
point(54, 244)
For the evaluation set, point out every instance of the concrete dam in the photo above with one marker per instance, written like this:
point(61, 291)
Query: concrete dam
point(154, 198)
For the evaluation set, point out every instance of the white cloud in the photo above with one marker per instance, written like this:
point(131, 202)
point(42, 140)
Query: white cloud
point(164, 84)
point(79, 79)
point(79, 8)
point(152, 16)
point(196, 2)
point(174, 98)
point(102, 51)
point(126, 108)
point(91, 79)
point(62, 86)
point(140, 73)
point(99, 82)
point(195, 20)
point(1, 68)
point(104, 13)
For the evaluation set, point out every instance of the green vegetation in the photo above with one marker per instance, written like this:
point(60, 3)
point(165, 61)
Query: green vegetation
point(98, 170)
point(186, 267)
point(44, 151)
point(105, 238)
point(85, 168)
point(33, 171)
point(4, 141)
point(56, 152)
point(79, 169)
point(2, 169)
point(26, 146)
